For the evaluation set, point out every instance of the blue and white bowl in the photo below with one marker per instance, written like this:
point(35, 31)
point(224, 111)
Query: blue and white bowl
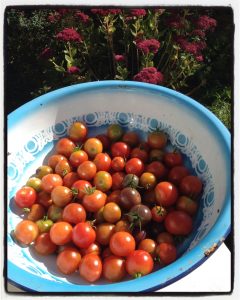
point(34, 128)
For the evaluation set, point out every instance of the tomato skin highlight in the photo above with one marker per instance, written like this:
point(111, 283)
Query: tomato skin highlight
point(25, 197)
point(50, 181)
point(134, 166)
point(78, 132)
point(90, 267)
point(139, 263)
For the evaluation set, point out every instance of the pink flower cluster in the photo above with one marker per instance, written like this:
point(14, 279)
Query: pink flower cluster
point(198, 32)
point(138, 12)
point(119, 57)
point(69, 34)
point(46, 53)
point(82, 17)
point(149, 75)
point(206, 23)
point(175, 21)
point(105, 12)
point(73, 70)
point(194, 48)
point(146, 46)
point(52, 18)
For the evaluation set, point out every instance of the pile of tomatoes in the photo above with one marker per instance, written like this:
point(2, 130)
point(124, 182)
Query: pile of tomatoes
point(109, 206)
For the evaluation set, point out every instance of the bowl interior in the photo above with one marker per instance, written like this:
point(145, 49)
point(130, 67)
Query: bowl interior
point(34, 129)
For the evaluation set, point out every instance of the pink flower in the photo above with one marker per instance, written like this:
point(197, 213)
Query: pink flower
point(73, 70)
point(190, 47)
point(149, 75)
point(199, 33)
point(83, 17)
point(119, 58)
point(46, 53)
point(175, 21)
point(63, 11)
point(53, 18)
point(138, 12)
point(105, 12)
point(147, 46)
point(69, 34)
point(206, 23)
point(199, 58)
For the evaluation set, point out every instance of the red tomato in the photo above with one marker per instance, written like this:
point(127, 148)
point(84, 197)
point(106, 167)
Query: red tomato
point(114, 268)
point(63, 168)
point(176, 174)
point(90, 267)
point(166, 193)
point(139, 153)
point(165, 237)
point(157, 169)
point(50, 181)
point(65, 147)
point(102, 161)
point(94, 248)
point(148, 245)
point(139, 263)
point(156, 155)
point(187, 204)
point(120, 149)
point(114, 197)
point(122, 243)
point(83, 235)
point(172, 159)
point(158, 213)
point(78, 157)
point(167, 253)
point(105, 141)
point(61, 233)
point(93, 200)
point(178, 223)
point(87, 170)
point(26, 232)
point(147, 180)
point(117, 180)
point(117, 164)
point(79, 187)
point(44, 199)
point(25, 197)
point(102, 181)
point(111, 212)
point(69, 179)
point(191, 186)
point(43, 244)
point(55, 159)
point(61, 195)
point(157, 139)
point(93, 146)
point(134, 166)
point(104, 232)
point(74, 213)
point(131, 138)
point(78, 132)
point(36, 212)
point(68, 261)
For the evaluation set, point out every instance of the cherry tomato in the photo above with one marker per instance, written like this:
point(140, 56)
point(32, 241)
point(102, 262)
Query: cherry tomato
point(129, 197)
point(187, 204)
point(98, 216)
point(111, 212)
point(191, 186)
point(120, 149)
point(117, 164)
point(44, 225)
point(50, 181)
point(93, 200)
point(55, 159)
point(94, 248)
point(122, 225)
point(148, 245)
point(43, 170)
point(122, 243)
point(70, 178)
point(134, 166)
point(149, 197)
point(78, 157)
point(114, 268)
point(65, 147)
point(63, 168)
point(157, 139)
point(34, 183)
point(54, 213)
point(114, 196)
point(83, 235)
point(103, 181)
point(79, 188)
point(139, 263)
point(36, 212)
point(157, 168)
point(139, 215)
point(114, 132)
point(61, 195)
point(176, 174)
point(158, 213)
point(104, 232)
point(44, 199)
point(166, 193)
point(61, 233)
point(139, 234)
point(68, 261)
point(148, 180)
point(167, 253)
point(165, 237)
point(90, 267)
point(117, 180)
point(74, 213)
point(102, 161)
point(105, 141)
point(43, 244)
point(178, 223)
point(93, 146)
point(78, 132)
point(156, 155)
point(25, 197)
point(142, 154)
point(26, 232)
point(87, 170)
point(131, 138)
point(172, 159)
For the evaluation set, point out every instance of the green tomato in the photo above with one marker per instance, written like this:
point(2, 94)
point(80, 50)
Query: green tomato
point(43, 170)
point(44, 225)
point(34, 183)
point(114, 132)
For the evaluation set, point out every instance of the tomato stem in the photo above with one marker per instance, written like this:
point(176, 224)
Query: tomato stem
point(137, 275)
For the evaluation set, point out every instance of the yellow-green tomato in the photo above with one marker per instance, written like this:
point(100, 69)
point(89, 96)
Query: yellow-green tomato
point(34, 183)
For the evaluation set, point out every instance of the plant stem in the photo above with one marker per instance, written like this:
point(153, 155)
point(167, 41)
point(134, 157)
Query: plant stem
point(165, 50)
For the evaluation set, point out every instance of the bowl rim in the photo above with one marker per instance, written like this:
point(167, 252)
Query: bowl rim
point(159, 279)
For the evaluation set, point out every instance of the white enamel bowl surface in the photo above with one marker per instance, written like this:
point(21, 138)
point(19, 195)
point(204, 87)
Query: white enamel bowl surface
point(205, 142)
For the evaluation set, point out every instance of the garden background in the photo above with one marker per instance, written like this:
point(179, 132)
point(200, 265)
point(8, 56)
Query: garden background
point(189, 49)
